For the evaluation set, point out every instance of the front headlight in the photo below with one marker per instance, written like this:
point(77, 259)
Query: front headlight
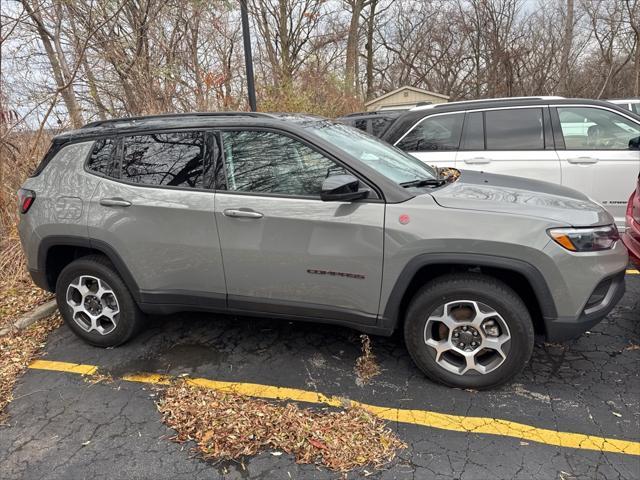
point(586, 239)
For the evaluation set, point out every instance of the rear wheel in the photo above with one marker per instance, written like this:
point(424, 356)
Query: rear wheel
point(469, 331)
point(96, 304)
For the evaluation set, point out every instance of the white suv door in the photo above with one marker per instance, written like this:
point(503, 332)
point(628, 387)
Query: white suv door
point(510, 141)
point(595, 158)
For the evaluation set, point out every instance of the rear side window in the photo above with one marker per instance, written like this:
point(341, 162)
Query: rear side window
point(102, 157)
point(516, 129)
point(164, 159)
point(441, 132)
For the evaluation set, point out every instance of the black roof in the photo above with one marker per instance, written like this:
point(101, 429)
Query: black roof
point(181, 120)
point(406, 121)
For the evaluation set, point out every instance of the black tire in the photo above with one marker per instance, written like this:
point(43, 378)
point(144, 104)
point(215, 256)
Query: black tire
point(473, 287)
point(130, 318)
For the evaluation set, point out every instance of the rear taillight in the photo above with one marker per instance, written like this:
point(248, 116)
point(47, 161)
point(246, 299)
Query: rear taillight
point(25, 199)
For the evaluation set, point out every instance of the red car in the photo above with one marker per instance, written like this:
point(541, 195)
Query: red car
point(632, 237)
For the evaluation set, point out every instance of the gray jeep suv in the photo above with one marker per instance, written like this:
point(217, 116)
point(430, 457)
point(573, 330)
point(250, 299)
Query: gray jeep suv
point(300, 218)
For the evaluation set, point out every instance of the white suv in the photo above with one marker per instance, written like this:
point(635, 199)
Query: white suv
point(632, 104)
point(589, 145)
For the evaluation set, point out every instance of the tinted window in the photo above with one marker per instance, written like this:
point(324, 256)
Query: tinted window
point(473, 137)
point(171, 159)
point(379, 125)
point(361, 124)
point(517, 129)
point(635, 107)
point(440, 132)
point(585, 128)
point(102, 156)
point(266, 162)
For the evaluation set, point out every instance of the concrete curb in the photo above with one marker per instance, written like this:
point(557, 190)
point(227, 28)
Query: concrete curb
point(31, 317)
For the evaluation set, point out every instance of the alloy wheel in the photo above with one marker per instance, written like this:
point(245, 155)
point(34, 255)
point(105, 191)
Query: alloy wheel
point(94, 304)
point(467, 337)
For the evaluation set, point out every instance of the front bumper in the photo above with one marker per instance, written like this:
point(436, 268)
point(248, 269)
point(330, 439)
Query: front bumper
point(631, 240)
point(565, 328)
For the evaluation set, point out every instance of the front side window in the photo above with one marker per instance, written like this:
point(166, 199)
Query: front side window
point(440, 132)
point(391, 162)
point(102, 157)
point(587, 128)
point(164, 159)
point(514, 129)
point(267, 162)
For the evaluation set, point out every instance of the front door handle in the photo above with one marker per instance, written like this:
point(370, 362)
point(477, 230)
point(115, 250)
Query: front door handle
point(477, 160)
point(115, 202)
point(229, 212)
point(582, 160)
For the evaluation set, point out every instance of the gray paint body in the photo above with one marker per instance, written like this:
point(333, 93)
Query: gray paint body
point(332, 261)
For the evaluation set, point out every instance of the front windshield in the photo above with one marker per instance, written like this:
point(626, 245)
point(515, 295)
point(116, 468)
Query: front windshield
point(382, 157)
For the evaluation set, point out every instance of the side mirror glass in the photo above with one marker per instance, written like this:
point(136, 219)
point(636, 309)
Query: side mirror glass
point(634, 143)
point(342, 188)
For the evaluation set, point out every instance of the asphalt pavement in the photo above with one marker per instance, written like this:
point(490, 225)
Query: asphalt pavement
point(63, 427)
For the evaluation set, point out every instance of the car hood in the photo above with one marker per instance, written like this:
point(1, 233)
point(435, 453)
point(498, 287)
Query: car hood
point(521, 196)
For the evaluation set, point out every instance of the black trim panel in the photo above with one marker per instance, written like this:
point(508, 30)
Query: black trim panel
point(391, 315)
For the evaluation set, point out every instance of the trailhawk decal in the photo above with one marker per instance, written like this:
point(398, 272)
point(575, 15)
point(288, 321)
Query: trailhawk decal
point(336, 274)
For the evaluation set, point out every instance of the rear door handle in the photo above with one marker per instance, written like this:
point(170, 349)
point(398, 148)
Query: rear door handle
point(115, 202)
point(582, 160)
point(477, 160)
point(229, 212)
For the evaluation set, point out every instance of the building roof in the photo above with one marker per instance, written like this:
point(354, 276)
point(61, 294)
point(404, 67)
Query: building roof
point(406, 87)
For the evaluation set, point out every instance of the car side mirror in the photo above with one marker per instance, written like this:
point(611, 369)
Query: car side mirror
point(342, 188)
point(634, 143)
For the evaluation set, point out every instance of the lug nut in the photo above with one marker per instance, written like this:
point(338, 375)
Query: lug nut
point(465, 328)
point(461, 344)
point(473, 344)
point(475, 333)
point(456, 334)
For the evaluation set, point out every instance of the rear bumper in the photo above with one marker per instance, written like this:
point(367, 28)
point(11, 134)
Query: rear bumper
point(565, 328)
point(39, 277)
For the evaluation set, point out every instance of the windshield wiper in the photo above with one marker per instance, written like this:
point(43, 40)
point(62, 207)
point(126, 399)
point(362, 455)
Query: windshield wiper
point(425, 182)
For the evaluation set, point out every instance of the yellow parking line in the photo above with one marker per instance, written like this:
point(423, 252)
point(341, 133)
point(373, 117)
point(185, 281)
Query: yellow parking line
point(633, 272)
point(442, 421)
point(64, 367)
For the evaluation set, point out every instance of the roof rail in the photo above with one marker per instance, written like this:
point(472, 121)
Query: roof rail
point(115, 121)
point(487, 100)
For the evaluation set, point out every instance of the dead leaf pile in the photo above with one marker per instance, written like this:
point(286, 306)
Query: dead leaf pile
point(17, 349)
point(366, 365)
point(19, 296)
point(227, 426)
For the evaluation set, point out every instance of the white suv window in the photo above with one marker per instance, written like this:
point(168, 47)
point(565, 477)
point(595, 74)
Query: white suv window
point(514, 129)
point(438, 132)
point(587, 128)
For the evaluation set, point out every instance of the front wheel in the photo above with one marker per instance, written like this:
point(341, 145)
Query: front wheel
point(469, 331)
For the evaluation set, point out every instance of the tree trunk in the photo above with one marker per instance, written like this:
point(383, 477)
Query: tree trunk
point(65, 86)
point(352, 46)
point(567, 41)
point(371, 25)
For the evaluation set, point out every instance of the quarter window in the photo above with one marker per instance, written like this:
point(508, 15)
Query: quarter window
point(164, 159)
point(102, 156)
point(267, 162)
point(516, 129)
point(441, 132)
point(586, 128)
